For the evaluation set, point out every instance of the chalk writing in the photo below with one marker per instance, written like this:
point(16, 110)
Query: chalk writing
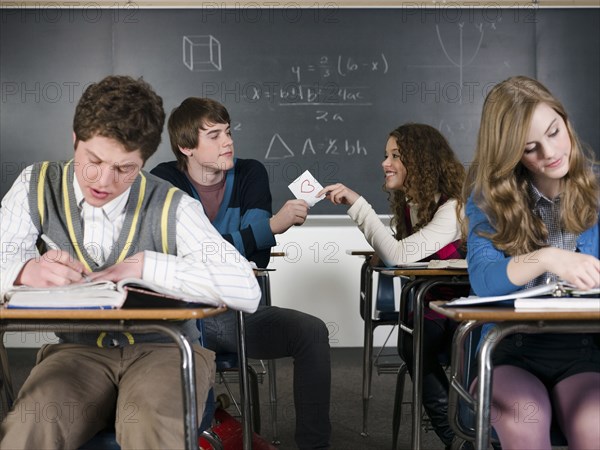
point(278, 148)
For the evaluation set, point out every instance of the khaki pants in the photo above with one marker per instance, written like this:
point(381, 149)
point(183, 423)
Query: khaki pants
point(76, 390)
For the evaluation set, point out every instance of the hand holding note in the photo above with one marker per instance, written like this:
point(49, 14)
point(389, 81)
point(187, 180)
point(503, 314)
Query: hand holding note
point(306, 188)
point(340, 194)
point(293, 212)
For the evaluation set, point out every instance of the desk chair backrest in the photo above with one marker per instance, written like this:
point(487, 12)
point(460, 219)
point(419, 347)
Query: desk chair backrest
point(385, 301)
point(385, 304)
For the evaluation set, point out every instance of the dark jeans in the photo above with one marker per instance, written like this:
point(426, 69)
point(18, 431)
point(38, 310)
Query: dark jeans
point(273, 332)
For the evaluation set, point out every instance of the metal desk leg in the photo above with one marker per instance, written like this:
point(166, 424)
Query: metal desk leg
point(6, 389)
point(244, 382)
point(188, 387)
point(273, 399)
point(271, 364)
point(417, 377)
point(367, 347)
point(419, 312)
point(484, 393)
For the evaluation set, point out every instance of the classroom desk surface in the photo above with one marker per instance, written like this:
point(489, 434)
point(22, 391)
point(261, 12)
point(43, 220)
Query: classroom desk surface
point(128, 320)
point(109, 314)
point(503, 313)
point(425, 272)
point(506, 321)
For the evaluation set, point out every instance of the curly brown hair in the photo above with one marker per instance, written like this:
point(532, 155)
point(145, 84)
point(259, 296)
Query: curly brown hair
point(121, 108)
point(432, 168)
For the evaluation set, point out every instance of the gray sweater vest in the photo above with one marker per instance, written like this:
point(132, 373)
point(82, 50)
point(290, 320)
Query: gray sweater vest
point(54, 211)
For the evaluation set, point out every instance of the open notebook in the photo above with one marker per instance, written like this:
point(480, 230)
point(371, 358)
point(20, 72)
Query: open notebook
point(546, 296)
point(127, 293)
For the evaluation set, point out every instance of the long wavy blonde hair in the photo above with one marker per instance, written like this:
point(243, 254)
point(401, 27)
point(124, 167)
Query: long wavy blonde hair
point(498, 181)
point(431, 168)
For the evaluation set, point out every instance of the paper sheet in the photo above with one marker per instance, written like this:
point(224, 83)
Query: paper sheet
point(305, 187)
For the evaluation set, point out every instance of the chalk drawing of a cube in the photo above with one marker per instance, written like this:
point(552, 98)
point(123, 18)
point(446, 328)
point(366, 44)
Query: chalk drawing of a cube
point(202, 53)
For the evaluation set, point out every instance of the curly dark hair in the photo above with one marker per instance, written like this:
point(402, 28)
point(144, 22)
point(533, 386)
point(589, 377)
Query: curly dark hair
point(121, 108)
point(432, 168)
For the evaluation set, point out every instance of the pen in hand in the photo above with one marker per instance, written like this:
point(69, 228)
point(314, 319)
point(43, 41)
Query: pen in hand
point(52, 246)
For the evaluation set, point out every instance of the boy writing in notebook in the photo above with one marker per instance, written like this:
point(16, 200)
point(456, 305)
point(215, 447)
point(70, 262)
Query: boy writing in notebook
point(110, 220)
point(236, 197)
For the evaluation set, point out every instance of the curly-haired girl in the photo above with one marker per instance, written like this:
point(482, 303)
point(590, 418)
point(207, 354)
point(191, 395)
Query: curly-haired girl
point(424, 180)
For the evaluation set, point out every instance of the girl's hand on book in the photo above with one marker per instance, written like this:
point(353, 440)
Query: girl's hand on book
point(131, 267)
point(581, 270)
point(53, 268)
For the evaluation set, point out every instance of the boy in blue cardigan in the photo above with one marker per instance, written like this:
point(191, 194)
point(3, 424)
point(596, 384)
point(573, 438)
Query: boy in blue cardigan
point(236, 198)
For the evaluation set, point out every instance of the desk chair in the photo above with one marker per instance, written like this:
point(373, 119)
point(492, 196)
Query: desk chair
point(386, 314)
point(461, 410)
point(407, 298)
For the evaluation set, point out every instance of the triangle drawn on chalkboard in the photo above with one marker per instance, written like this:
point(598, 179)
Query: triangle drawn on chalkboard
point(278, 149)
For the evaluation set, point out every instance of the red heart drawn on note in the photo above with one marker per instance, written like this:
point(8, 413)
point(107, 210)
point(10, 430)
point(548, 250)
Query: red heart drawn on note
point(306, 187)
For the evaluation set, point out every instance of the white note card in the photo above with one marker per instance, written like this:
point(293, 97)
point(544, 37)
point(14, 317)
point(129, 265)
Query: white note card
point(306, 187)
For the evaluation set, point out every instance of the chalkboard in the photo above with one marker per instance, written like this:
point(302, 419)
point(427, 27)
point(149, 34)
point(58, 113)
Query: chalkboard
point(316, 89)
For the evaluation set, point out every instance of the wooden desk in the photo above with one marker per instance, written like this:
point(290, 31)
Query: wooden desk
point(507, 321)
point(132, 321)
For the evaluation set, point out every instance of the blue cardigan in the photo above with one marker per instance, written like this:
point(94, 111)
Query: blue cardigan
point(487, 264)
point(243, 217)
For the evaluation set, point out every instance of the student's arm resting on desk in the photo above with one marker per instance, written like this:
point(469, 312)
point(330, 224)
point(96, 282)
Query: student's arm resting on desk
point(491, 272)
point(439, 232)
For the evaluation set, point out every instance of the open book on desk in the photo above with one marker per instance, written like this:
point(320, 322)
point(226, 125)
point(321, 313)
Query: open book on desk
point(127, 293)
point(552, 296)
point(433, 264)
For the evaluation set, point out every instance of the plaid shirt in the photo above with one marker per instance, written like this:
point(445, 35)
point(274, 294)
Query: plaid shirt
point(549, 211)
